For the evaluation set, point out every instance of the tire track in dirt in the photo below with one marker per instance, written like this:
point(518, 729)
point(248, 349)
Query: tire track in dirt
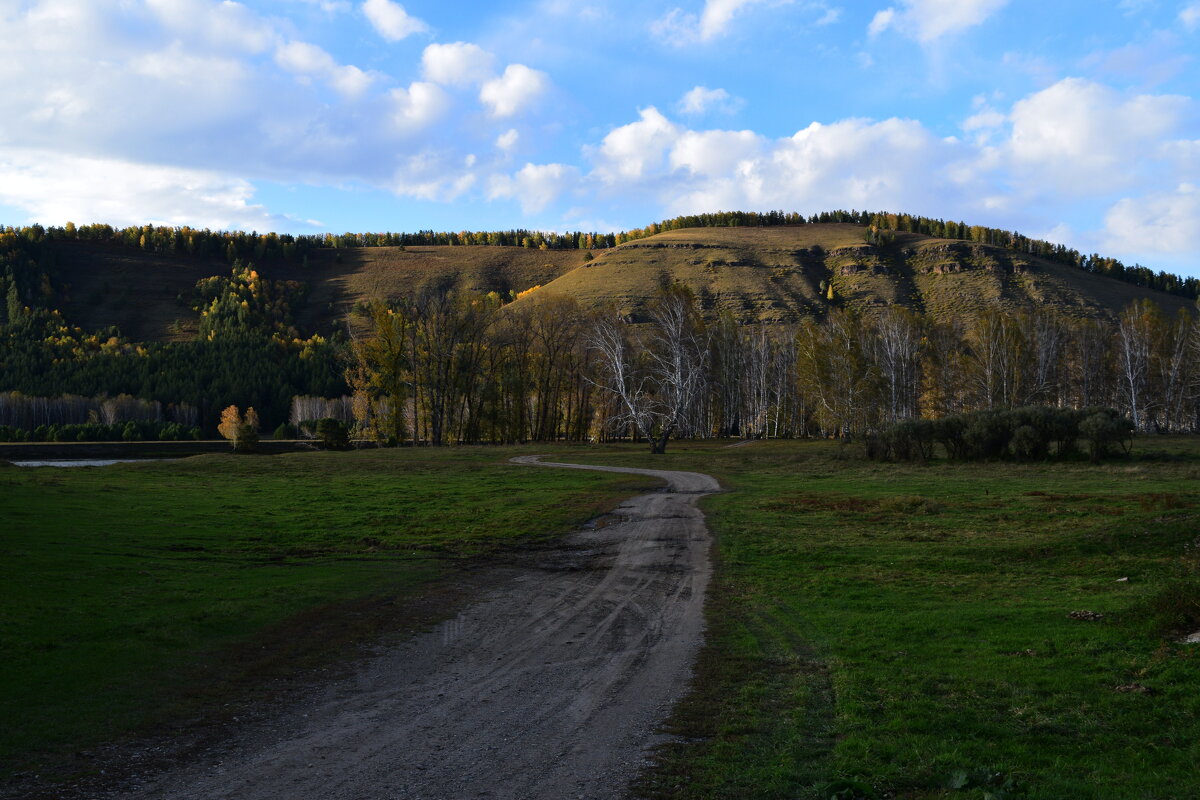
point(551, 686)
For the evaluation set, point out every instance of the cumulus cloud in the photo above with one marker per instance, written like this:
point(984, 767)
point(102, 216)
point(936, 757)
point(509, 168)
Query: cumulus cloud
point(679, 27)
point(328, 6)
point(631, 151)
point(457, 64)
point(434, 175)
point(391, 21)
point(855, 163)
point(418, 106)
point(702, 100)
point(882, 20)
point(227, 25)
point(1028, 162)
point(715, 153)
point(79, 82)
point(56, 188)
point(1160, 222)
point(514, 91)
point(309, 61)
point(535, 186)
point(929, 20)
point(984, 119)
point(852, 163)
point(1079, 137)
point(508, 140)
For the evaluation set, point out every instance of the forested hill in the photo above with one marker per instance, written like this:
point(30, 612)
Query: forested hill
point(196, 321)
point(146, 287)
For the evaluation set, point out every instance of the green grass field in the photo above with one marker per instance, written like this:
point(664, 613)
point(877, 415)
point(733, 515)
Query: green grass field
point(883, 630)
point(875, 630)
point(139, 593)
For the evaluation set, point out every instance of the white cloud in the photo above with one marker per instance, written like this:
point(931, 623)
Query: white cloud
point(304, 58)
point(881, 21)
point(457, 64)
point(1184, 157)
point(715, 153)
point(55, 188)
point(929, 20)
point(985, 119)
point(227, 25)
point(418, 106)
point(391, 21)
point(508, 140)
point(328, 6)
point(513, 91)
point(1030, 162)
point(679, 27)
point(1160, 222)
point(1080, 137)
point(852, 163)
point(701, 100)
point(309, 61)
point(129, 81)
point(1190, 16)
point(830, 16)
point(857, 163)
point(351, 81)
point(535, 186)
point(435, 176)
point(1062, 233)
point(718, 14)
point(630, 151)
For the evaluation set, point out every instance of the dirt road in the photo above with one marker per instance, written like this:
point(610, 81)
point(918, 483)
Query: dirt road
point(549, 687)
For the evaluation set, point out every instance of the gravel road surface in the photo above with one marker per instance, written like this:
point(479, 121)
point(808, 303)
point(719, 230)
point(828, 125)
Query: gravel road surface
point(551, 686)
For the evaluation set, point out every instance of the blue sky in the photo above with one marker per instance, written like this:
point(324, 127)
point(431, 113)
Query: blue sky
point(1074, 121)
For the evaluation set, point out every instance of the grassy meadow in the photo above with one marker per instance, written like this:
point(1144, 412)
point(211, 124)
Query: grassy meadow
point(141, 593)
point(887, 630)
point(874, 630)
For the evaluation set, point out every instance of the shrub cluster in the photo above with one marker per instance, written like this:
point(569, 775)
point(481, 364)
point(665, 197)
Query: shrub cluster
point(333, 434)
point(97, 432)
point(1036, 433)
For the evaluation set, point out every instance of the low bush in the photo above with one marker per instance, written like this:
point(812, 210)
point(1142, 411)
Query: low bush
point(1036, 433)
point(333, 434)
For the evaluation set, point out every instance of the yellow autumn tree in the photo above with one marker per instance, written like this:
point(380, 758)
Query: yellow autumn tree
point(241, 431)
point(231, 423)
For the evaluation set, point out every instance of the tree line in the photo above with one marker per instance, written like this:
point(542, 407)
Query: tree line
point(450, 367)
point(447, 367)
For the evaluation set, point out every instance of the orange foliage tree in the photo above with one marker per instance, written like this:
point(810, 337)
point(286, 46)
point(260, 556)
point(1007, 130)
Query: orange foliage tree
point(241, 431)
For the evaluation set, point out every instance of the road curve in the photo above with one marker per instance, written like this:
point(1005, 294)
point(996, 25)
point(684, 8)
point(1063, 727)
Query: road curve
point(552, 686)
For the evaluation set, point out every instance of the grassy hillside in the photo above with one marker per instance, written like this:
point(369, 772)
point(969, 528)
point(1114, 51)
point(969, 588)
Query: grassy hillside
point(147, 295)
point(768, 275)
point(774, 275)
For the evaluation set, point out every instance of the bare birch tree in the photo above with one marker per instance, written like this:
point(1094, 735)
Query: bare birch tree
point(659, 378)
point(897, 355)
point(1135, 347)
